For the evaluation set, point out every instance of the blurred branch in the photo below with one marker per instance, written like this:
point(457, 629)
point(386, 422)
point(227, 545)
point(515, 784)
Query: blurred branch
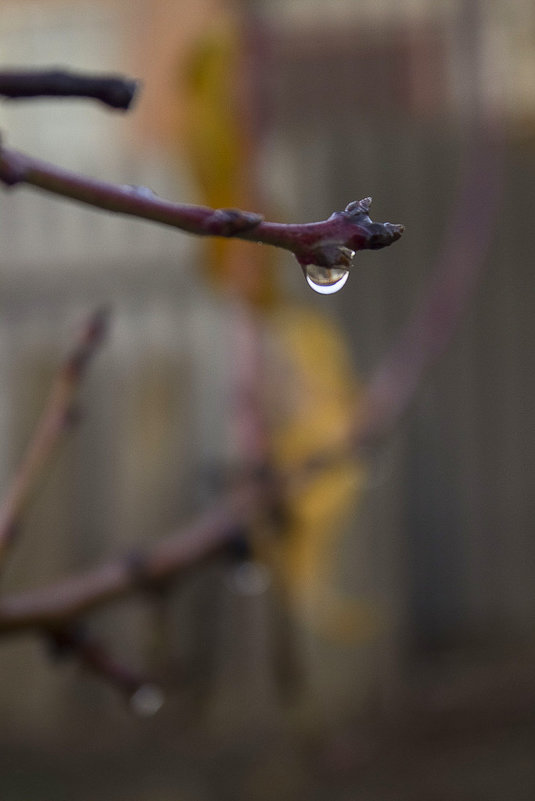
point(459, 267)
point(54, 606)
point(55, 419)
point(329, 243)
point(76, 642)
point(112, 90)
point(387, 397)
point(144, 697)
point(467, 240)
point(54, 610)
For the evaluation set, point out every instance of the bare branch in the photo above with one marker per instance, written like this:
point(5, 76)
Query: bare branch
point(76, 642)
point(390, 390)
point(330, 243)
point(54, 420)
point(54, 606)
point(112, 90)
point(459, 266)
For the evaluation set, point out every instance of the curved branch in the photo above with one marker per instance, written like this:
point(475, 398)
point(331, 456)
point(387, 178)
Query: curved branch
point(459, 267)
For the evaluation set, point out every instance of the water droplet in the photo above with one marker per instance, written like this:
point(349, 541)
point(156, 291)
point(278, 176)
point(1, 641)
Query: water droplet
point(249, 578)
point(326, 280)
point(147, 700)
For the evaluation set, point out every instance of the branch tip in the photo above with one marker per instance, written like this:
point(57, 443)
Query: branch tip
point(114, 91)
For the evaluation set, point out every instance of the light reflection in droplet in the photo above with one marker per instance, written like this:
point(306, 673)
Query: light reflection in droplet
point(147, 700)
point(326, 280)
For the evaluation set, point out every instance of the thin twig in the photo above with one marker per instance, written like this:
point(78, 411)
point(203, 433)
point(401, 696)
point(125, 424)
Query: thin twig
point(114, 91)
point(54, 420)
point(434, 322)
point(75, 641)
point(329, 243)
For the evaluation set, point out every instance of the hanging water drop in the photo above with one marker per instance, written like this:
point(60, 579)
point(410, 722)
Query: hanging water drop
point(326, 280)
point(146, 700)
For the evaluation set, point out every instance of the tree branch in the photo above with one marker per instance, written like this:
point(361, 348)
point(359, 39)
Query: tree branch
point(459, 267)
point(54, 420)
point(54, 606)
point(112, 90)
point(330, 243)
point(389, 392)
point(76, 642)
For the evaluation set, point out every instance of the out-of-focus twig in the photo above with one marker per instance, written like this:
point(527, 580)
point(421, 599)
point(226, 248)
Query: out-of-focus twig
point(459, 267)
point(54, 606)
point(460, 264)
point(55, 419)
point(75, 641)
point(114, 91)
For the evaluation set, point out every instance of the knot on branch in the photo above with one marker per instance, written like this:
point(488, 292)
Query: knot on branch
point(137, 563)
point(12, 168)
point(231, 222)
point(91, 338)
point(64, 642)
point(140, 191)
point(239, 547)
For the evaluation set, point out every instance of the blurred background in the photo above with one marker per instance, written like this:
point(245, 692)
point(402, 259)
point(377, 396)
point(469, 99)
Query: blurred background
point(384, 647)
